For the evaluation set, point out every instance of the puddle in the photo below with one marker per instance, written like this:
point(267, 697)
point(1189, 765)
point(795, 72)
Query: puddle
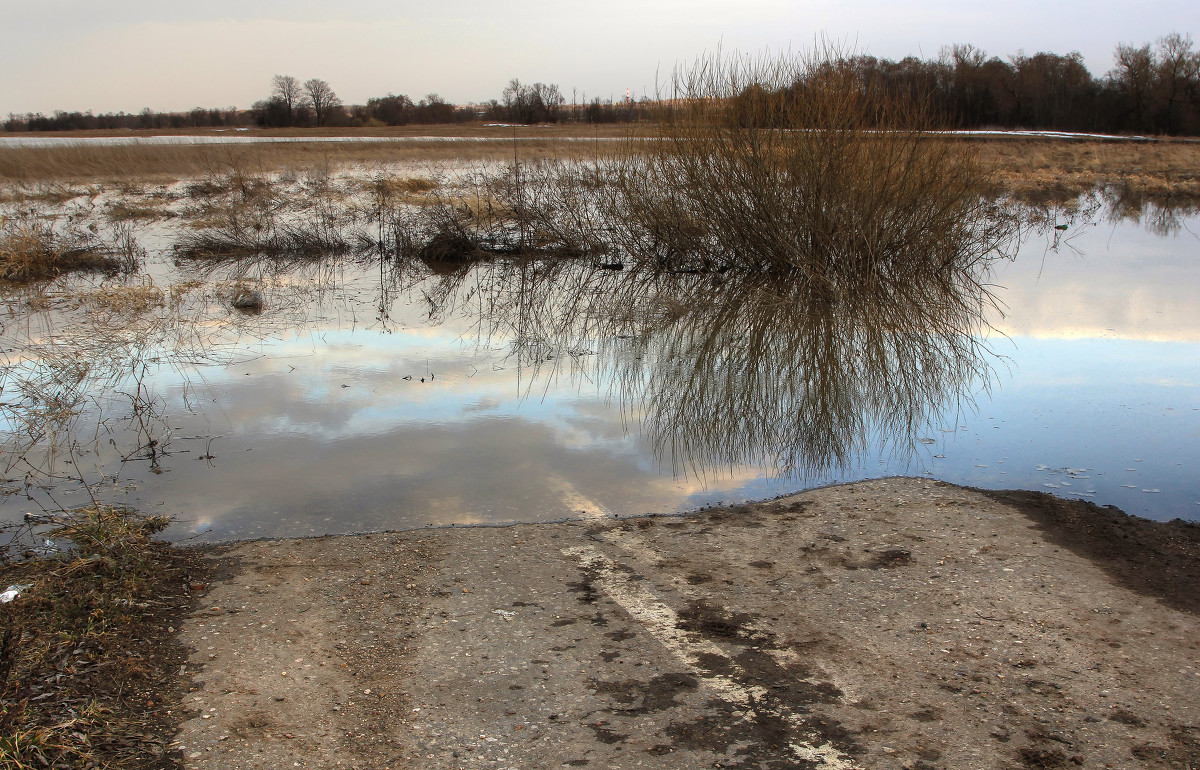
point(370, 394)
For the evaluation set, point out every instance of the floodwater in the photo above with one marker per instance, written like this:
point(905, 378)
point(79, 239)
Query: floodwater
point(370, 396)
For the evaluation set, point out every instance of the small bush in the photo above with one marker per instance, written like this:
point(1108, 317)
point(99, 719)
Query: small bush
point(32, 251)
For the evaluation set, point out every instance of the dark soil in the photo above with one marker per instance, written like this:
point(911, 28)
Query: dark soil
point(1157, 559)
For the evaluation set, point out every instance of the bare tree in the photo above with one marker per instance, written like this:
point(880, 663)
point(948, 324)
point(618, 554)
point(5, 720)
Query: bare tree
point(1178, 76)
point(322, 99)
point(1134, 79)
point(537, 103)
point(287, 90)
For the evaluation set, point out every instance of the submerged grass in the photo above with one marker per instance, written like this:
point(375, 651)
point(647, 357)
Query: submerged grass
point(81, 655)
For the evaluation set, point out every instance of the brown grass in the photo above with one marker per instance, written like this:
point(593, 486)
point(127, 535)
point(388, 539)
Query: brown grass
point(123, 210)
point(158, 162)
point(121, 300)
point(1038, 167)
point(1025, 165)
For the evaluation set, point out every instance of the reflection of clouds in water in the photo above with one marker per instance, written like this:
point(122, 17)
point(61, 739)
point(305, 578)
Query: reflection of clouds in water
point(483, 404)
point(589, 425)
point(493, 469)
point(1119, 281)
point(1105, 366)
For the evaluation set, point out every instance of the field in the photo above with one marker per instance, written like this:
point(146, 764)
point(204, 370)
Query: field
point(1027, 166)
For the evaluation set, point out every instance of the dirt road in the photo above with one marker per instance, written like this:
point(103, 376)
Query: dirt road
point(901, 623)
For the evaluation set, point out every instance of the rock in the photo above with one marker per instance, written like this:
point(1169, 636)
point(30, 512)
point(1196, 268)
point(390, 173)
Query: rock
point(248, 299)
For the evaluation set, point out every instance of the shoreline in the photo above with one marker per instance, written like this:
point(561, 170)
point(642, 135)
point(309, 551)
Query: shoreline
point(1014, 493)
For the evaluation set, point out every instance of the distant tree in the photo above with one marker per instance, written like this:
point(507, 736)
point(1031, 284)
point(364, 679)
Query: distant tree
point(434, 109)
point(1053, 91)
point(537, 103)
point(288, 91)
point(273, 113)
point(391, 110)
point(1178, 75)
point(323, 101)
point(1133, 78)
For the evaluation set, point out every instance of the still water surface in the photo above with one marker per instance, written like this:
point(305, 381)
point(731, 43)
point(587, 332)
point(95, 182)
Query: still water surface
point(367, 398)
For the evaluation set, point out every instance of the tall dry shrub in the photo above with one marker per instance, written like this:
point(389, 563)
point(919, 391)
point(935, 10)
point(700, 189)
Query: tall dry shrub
point(795, 166)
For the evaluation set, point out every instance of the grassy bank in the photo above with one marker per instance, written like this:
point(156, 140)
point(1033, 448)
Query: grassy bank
point(1025, 166)
point(1064, 169)
point(86, 657)
point(115, 163)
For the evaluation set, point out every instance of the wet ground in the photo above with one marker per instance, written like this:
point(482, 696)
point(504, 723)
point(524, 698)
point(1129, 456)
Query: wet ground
point(901, 623)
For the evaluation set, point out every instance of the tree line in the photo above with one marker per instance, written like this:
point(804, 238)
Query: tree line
point(1152, 88)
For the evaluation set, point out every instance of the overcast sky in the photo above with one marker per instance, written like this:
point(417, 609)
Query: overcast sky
point(111, 55)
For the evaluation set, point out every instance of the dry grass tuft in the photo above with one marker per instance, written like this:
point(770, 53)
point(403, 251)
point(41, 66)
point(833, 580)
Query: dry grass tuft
point(124, 210)
point(395, 188)
point(792, 164)
point(31, 250)
point(122, 300)
point(68, 685)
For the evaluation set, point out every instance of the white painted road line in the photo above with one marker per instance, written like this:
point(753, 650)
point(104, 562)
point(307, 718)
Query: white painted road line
point(662, 622)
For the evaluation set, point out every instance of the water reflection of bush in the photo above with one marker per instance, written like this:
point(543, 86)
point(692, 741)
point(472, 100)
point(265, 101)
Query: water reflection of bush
point(723, 370)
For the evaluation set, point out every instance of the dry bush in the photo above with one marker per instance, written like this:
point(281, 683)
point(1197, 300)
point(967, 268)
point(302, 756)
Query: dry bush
point(32, 250)
point(785, 167)
point(794, 166)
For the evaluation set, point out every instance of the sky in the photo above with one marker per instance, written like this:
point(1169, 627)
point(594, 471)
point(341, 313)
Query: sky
point(126, 55)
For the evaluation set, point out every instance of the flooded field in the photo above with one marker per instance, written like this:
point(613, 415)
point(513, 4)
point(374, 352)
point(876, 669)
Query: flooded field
point(357, 390)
